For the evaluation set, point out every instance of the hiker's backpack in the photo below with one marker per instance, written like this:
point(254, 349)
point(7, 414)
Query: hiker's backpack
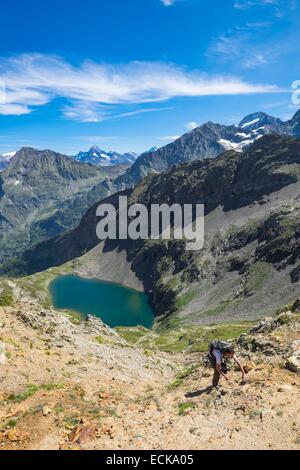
point(217, 344)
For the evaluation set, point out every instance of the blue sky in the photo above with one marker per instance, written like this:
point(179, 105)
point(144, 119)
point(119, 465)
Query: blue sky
point(130, 74)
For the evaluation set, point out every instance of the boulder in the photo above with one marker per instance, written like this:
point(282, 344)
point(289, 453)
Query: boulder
point(296, 345)
point(293, 363)
point(285, 388)
point(264, 326)
point(284, 318)
point(296, 306)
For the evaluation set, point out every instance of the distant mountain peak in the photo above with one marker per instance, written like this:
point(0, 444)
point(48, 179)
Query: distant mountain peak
point(152, 149)
point(100, 157)
point(258, 120)
point(5, 159)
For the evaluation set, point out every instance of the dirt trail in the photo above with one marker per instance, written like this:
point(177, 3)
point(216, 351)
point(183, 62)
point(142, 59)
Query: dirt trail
point(73, 386)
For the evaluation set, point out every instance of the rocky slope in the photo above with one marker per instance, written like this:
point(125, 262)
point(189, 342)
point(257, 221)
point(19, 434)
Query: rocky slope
point(63, 385)
point(43, 193)
point(250, 263)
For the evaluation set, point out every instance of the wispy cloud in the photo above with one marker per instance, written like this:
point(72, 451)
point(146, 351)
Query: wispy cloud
point(248, 43)
point(242, 44)
point(168, 3)
point(276, 8)
point(169, 138)
point(191, 125)
point(91, 112)
point(91, 89)
point(245, 4)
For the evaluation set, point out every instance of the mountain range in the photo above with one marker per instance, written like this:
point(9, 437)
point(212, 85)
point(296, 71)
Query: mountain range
point(94, 156)
point(250, 265)
point(97, 156)
point(208, 141)
point(43, 193)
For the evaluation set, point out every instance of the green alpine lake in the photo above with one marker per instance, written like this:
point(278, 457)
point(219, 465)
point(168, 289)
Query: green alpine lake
point(115, 304)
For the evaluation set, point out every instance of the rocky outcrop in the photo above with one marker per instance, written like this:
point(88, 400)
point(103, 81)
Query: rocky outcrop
point(58, 327)
point(269, 338)
point(293, 362)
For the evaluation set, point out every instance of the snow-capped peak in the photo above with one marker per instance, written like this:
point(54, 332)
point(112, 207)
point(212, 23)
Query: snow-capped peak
point(153, 149)
point(97, 156)
point(8, 156)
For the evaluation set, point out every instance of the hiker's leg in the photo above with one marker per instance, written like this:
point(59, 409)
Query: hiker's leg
point(216, 378)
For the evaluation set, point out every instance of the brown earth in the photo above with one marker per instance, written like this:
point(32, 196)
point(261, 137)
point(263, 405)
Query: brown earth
point(65, 385)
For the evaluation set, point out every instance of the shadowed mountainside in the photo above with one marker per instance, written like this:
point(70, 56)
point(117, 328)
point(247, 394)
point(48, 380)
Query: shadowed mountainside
point(250, 262)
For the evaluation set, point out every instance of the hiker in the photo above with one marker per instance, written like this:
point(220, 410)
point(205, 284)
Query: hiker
point(219, 353)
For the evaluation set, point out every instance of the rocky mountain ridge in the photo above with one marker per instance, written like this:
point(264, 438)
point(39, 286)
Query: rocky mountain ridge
point(208, 141)
point(43, 193)
point(249, 264)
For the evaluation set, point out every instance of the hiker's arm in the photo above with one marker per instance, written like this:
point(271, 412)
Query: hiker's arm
point(240, 366)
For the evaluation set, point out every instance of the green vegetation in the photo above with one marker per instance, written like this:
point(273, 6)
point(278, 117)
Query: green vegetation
point(184, 299)
point(224, 305)
point(71, 422)
point(6, 295)
point(36, 285)
point(184, 407)
point(132, 335)
point(30, 390)
point(183, 375)
point(177, 340)
point(6, 299)
point(257, 276)
point(102, 339)
point(11, 423)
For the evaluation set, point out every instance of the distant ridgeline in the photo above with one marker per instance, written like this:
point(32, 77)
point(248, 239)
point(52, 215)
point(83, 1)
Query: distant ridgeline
point(250, 263)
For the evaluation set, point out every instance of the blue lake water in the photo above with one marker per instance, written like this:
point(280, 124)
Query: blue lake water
point(116, 305)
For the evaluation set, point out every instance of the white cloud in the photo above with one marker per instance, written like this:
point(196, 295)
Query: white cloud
point(238, 44)
point(169, 138)
point(245, 4)
point(91, 112)
point(90, 89)
point(168, 3)
point(191, 125)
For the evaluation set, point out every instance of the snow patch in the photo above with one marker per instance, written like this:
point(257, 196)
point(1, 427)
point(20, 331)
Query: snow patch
point(243, 135)
point(229, 145)
point(247, 124)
